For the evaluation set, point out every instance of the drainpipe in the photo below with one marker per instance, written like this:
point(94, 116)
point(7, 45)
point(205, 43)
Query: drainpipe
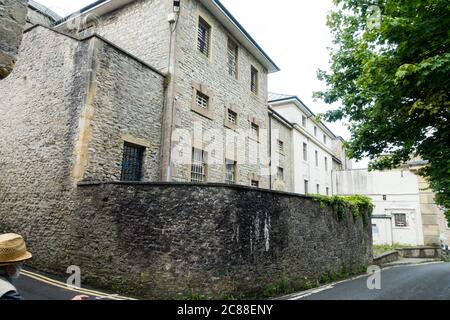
point(332, 181)
point(270, 149)
point(169, 105)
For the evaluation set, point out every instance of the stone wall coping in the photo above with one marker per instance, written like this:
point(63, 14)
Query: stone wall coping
point(421, 248)
point(145, 64)
point(386, 254)
point(190, 184)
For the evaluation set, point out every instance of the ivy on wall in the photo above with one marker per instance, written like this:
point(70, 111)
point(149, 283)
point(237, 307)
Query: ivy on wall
point(359, 206)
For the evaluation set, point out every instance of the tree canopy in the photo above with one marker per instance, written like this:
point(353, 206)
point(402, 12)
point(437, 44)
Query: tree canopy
point(390, 71)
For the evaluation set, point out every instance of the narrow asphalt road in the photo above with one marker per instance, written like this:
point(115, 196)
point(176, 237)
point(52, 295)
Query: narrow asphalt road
point(419, 282)
point(38, 286)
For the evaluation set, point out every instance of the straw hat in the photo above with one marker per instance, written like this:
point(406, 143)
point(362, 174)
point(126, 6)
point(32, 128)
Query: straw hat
point(12, 249)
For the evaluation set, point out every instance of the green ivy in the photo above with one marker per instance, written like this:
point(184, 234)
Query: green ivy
point(360, 206)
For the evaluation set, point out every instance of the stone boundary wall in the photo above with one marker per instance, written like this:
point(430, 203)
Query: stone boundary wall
point(167, 241)
point(386, 258)
point(12, 22)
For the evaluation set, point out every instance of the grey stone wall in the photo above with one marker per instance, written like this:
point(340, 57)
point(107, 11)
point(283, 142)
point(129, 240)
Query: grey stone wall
point(39, 109)
point(140, 28)
point(12, 21)
point(166, 240)
point(212, 72)
point(35, 17)
point(169, 241)
point(127, 106)
point(65, 113)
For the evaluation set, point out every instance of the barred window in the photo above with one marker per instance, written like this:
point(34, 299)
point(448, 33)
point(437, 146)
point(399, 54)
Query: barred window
point(204, 36)
point(132, 162)
point(254, 80)
point(280, 146)
point(230, 174)
point(255, 131)
point(232, 116)
point(255, 184)
point(280, 173)
point(202, 100)
point(198, 168)
point(400, 220)
point(233, 52)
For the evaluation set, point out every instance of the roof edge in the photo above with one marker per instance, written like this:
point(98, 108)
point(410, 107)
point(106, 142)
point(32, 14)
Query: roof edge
point(275, 68)
point(312, 114)
point(264, 58)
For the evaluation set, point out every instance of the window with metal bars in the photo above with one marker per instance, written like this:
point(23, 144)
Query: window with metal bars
point(280, 146)
point(254, 80)
point(233, 52)
point(255, 131)
point(400, 220)
point(230, 174)
point(133, 157)
point(204, 36)
point(280, 173)
point(232, 116)
point(198, 167)
point(202, 100)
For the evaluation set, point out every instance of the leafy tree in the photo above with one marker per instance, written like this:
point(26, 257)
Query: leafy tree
point(392, 82)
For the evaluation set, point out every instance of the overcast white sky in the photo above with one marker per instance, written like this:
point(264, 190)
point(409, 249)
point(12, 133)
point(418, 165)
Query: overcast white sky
point(292, 32)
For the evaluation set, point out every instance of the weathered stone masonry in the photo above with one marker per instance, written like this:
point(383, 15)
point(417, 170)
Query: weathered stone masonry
point(169, 240)
point(12, 22)
point(53, 112)
point(66, 111)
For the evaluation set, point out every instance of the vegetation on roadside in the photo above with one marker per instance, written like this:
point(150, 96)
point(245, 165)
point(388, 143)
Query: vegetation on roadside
point(380, 249)
point(285, 286)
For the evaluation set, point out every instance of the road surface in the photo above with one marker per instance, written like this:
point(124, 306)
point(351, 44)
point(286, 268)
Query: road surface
point(417, 282)
point(38, 286)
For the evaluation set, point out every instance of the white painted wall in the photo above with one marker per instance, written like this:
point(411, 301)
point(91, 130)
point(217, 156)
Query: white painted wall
point(401, 191)
point(382, 231)
point(307, 170)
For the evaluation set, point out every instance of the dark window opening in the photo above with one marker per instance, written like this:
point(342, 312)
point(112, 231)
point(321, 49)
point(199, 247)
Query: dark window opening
point(204, 35)
point(133, 157)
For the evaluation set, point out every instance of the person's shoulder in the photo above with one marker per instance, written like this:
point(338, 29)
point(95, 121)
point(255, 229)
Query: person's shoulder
point(11, 295)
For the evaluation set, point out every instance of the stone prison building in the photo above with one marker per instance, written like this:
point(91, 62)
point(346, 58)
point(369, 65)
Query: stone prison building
point(135, 142)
